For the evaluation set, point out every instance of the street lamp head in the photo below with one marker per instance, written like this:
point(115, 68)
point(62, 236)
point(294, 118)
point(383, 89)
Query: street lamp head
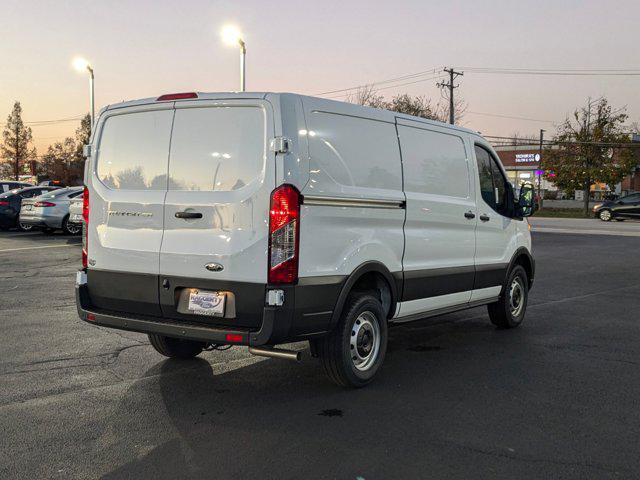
point(231, 36)
point(81, 64)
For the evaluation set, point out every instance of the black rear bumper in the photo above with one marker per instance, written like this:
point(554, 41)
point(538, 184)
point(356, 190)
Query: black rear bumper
point(306, 313)
point(169, 328)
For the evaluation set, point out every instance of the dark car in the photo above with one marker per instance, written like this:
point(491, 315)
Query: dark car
point(11, 201)
point(6, 185)
point(620, 209)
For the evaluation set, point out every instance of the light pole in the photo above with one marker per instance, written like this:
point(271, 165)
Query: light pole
point(232, 37)
point(540, 169)
point(80, 64)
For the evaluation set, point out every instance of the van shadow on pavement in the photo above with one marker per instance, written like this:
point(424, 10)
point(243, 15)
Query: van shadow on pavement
point(456, 397)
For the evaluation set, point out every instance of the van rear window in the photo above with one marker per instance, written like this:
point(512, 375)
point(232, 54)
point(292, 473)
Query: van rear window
point(217, 148)
point(132, 153)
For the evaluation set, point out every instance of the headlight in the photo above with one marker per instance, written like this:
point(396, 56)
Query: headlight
point(596, 206)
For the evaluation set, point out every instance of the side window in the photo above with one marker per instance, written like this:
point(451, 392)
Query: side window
point(486, 177)
point(493, 184)
point(29, 193)
point(434, 162)
point(354, 152)
point(133, 150)
point(631, 199)
point(499, 184)
point(75, 194)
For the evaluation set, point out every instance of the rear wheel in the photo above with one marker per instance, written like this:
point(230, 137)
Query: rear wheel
point(354, 351)
point(175, 347)
point(70, 228)
point(508, 312)
point(24, 227)
point(605, 215)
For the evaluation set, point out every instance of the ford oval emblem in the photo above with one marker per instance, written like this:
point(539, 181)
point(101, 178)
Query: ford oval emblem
point(214, 267)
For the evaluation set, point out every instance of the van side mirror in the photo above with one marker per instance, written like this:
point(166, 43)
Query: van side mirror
point(526, 201)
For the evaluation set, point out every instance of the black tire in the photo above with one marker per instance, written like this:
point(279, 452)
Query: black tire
point(502, 313)
point(605, 215)
point(72, 229)
point(335, 350)
point(176, 347)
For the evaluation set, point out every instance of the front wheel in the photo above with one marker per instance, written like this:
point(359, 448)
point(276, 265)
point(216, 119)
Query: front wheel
point(508, 312)
point(354, 351)
point(605, 215)
point(175, 347)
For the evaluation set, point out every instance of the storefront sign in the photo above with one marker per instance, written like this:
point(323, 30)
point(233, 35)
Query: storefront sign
point(527, 157)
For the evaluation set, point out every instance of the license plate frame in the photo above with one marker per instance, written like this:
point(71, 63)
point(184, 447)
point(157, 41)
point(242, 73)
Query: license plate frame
point(76, 218)
point(206, 303)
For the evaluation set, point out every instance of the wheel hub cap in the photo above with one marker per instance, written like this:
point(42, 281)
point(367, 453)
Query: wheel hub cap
point(516, 297)
point(364, 343)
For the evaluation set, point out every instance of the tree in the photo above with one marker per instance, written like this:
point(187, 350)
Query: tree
point(83, 134)
point(61, 162)
point(16, 140)
point(418, 106)
point(592, 146)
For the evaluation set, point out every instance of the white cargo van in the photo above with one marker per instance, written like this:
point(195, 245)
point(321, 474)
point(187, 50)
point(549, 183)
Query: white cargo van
point(260, 219)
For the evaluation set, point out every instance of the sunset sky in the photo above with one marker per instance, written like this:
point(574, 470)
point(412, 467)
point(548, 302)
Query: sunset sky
point(146, 48)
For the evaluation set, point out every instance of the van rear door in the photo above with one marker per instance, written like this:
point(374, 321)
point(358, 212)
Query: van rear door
point(127, 184)
point(221, 174)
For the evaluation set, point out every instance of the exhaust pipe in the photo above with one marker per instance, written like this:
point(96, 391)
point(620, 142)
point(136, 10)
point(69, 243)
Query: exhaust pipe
point(275, 353)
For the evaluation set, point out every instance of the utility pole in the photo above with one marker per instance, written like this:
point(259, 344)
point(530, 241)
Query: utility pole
point(540, 169)
point(452, 76)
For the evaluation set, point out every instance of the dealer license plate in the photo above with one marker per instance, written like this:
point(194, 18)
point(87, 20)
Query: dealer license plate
point(76, 218)
point(202, 302)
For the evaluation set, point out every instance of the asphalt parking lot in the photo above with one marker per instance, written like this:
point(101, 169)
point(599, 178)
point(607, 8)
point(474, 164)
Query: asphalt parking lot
point(557, 398)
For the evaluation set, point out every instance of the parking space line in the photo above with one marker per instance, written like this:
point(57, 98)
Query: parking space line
point(6, 250)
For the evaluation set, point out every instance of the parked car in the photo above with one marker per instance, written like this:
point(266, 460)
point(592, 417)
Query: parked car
point(6, 185)
point(10, 203)
point(50, 211)
point(75, 211)
point(294, 219)
point(623, 208)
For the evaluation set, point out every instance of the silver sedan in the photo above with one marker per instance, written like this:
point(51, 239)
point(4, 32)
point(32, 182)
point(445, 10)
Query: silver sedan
point(51, 211)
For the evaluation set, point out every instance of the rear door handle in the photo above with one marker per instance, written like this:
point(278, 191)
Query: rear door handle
point(469, 215)
point(186, 214)
point(485, 218)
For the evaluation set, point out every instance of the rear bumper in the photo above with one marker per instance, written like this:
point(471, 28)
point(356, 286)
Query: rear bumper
point(304, 317)
point(41, 221)
point(144, 324)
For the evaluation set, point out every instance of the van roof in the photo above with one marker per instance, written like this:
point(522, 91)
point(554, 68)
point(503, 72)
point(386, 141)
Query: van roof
point(376, 113)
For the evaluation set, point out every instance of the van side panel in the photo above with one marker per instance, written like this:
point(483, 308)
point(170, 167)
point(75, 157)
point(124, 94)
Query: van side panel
point(352, 158)
point(441, 218)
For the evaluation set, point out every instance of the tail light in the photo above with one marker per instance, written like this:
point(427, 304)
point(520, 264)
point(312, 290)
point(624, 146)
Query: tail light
point(4, 203)
point(44, 204)
point(85, 226)
point(284, 235)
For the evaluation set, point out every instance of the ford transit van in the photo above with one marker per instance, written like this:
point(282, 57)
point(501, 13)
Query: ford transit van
point(261, 219)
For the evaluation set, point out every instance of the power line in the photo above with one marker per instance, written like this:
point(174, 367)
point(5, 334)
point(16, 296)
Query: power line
point(510, 116)
point(38, 123)
point(382, 82)
point(553, 72)
point(393, 86)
